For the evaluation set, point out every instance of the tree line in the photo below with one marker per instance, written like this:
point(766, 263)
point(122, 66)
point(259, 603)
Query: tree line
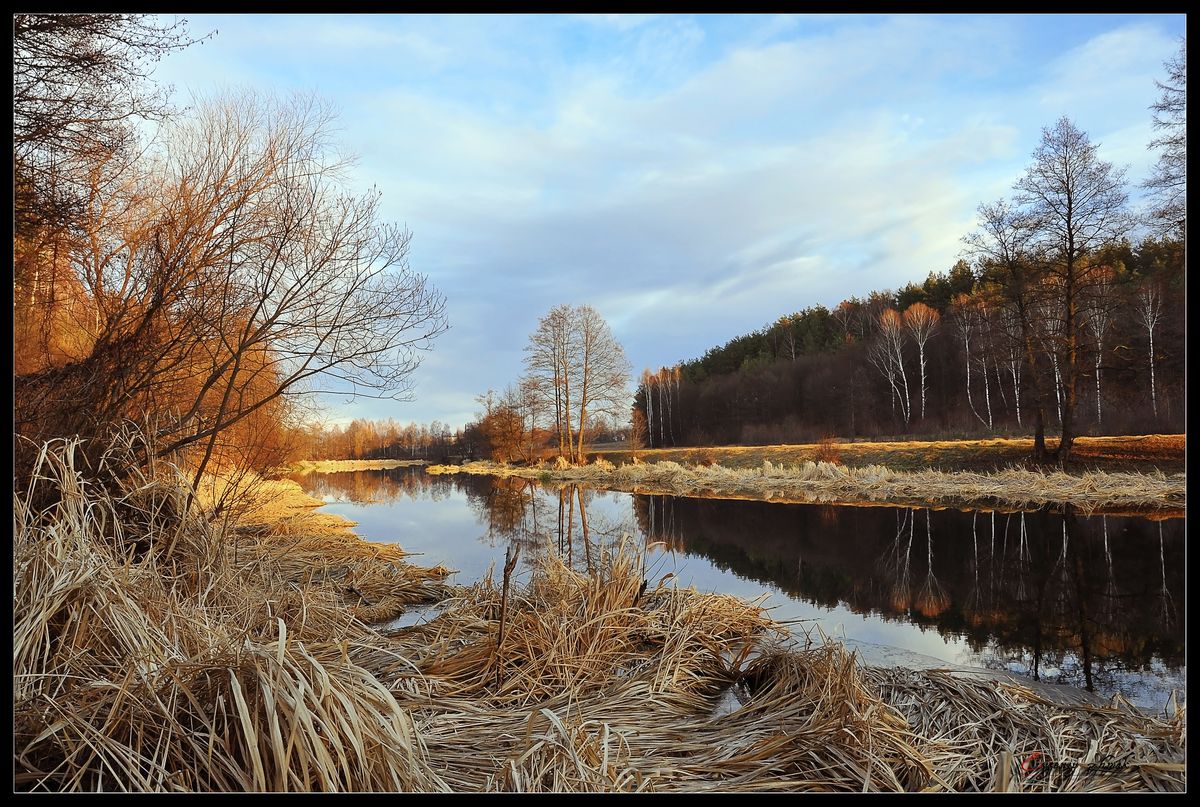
point(919, 361)
point(574, 393)
point(1052, 319)
point(366, 439)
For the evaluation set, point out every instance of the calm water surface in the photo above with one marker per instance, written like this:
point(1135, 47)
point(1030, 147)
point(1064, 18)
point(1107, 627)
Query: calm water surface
point(1062, 598)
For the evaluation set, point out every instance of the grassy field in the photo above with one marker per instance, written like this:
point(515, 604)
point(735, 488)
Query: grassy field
point(1161, 452)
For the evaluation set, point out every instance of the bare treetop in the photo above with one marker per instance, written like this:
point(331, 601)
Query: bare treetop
point(1168, 181)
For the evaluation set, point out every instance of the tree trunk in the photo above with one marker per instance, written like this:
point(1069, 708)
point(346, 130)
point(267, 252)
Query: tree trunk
point(906, 403)
point(1016, 377)
point(1039, 434)
point(970, 402)
point(921, 356)
point(1153, 389)
point(987, 392)
point(582, 422)
point(1000, 383)
point(650, 412)
point(1058, 385)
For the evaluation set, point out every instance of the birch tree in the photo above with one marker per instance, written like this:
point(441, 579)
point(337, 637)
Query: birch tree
point(887, 354)
point(1098, 314)
point(966, 320)
point(922, 322)
point(1149, 310)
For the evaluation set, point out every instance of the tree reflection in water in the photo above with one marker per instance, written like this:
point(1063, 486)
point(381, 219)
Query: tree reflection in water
point(1046, 593)
point(1166, 603)
point(932, 600)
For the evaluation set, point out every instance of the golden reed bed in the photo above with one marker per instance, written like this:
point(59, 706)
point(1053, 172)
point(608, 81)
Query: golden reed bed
point(154, 651)
point(822, 482)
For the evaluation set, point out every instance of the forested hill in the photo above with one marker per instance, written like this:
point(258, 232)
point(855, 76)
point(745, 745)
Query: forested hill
point(950, 357)
point(818, 330)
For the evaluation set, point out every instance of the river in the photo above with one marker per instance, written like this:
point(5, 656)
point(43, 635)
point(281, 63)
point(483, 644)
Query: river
point(1095, 603)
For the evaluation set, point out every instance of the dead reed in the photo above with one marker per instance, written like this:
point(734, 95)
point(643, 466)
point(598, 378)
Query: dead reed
point(154, 652)
point(146, 657)
point(822, 482)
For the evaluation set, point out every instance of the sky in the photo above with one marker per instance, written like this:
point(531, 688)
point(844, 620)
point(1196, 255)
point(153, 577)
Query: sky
point(693, 178)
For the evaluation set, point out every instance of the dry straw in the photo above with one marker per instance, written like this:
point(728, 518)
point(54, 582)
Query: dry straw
point(155, 652)
point(822, 482)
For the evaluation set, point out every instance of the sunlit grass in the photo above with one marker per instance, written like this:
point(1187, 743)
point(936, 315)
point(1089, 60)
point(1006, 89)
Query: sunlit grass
point(1141, 452)
point(821, 482)
point(155, 650)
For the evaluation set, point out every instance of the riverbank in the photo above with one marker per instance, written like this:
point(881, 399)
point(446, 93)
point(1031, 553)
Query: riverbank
point(1129, 453)
point(1150, 494)
point(156, 650)
point(330, 466)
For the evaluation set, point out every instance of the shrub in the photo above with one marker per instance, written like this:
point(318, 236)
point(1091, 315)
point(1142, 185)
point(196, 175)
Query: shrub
point(827, 451)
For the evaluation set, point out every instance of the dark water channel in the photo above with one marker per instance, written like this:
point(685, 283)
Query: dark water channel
point(1089, 602)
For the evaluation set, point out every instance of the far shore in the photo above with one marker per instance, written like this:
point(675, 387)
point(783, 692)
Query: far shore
point(329, 466)
point(1154, 495)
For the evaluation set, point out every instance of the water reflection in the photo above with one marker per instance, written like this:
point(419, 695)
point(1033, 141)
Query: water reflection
point(1048, 594)
point(511, 510)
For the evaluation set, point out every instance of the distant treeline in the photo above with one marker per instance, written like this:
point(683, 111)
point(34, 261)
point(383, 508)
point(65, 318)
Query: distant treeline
point(819, 372)
point(1058, 323)
point(364, 439)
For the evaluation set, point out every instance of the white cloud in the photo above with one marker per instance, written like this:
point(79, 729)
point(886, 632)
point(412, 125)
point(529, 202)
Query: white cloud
point(691, 188)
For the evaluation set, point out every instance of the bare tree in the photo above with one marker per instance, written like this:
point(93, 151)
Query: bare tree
point(236, 270)
point(1098, 314)
point(547, 365)
point(648, 387)
point(922, 322)
point(80, 81)
point(1078, 202)
point(637, 430)
point(1010, 333)
point(603, 370)
point(845, 314)
point(676, 375)
point(1003, 246)
point(983, 319)
point(1168, 181)
point(887, 354)
point(1149, 312)
point(574, 353)
point(966, 317)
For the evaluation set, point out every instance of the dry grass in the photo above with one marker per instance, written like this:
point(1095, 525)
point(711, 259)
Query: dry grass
point(944, 710)
point(605, 691)
point(1155, 452)
point(150, 654)
point(154, 653)
point(811, 482)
